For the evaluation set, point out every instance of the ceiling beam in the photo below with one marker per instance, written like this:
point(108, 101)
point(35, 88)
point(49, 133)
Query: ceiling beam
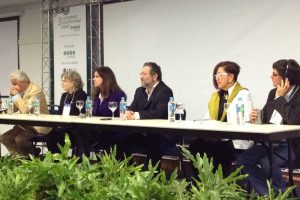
point(59, 4)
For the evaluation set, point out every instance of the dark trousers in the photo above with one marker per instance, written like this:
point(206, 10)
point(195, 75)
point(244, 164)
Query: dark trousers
point(94, 139)
point(154, 146)
point(222, 152)
point(57, 136)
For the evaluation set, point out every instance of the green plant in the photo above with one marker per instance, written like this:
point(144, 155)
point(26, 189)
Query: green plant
point(210, 185)
point(59, 177)
point(15, 181)
point(272, 195)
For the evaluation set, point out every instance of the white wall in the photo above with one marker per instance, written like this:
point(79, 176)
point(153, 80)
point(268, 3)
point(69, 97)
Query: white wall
point(188, 38)
point(8, 51)
point(29, 40)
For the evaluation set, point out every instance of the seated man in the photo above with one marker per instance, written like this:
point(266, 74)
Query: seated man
point(150, 102)
point(282, 107)
point(23, 92)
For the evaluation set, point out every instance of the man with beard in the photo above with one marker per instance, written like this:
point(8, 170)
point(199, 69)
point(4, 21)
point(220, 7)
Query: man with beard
point(150, 102)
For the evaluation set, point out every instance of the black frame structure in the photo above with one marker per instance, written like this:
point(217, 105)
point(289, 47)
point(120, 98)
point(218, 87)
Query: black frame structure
point(95, 39)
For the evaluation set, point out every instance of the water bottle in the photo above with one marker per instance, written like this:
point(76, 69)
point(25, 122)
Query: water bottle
point(240, 108)
point(10, 105)
point(88, 107)
point(36, 106)
point(171, 110)
point(123, 108)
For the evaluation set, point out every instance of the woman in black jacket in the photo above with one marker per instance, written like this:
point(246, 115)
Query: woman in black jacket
point(73, 86)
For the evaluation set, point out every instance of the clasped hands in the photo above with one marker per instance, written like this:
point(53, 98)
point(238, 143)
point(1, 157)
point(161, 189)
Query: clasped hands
point(130, 115)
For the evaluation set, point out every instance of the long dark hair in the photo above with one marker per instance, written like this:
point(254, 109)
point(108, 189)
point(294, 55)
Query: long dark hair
point(109, 84)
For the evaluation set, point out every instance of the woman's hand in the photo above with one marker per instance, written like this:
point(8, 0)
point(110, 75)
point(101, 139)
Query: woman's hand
point(253, 115)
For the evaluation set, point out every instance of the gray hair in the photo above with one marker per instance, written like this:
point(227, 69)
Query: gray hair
point(73, 76)
point(19, 75)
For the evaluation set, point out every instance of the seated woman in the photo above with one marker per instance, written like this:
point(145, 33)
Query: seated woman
point(225, 76)
point(72, 85)
point(106, 89)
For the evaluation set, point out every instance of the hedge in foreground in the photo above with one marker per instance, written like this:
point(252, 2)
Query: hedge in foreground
point(60, 177)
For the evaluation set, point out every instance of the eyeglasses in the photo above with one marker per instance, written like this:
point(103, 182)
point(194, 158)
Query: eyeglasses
point(220, 75)
point(144, 74)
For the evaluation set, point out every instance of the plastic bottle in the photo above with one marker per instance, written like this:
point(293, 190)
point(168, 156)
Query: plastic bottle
point(88, 107)
point(171, 110)
point(123, 108)
point(10, 105)
point(240, 109)
point(36, 106)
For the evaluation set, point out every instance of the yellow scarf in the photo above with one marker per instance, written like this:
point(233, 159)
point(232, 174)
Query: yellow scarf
point(213, 105)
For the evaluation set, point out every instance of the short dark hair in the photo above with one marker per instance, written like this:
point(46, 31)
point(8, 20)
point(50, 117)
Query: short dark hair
point(288, 68)
point(155, 69)
point(229, 67)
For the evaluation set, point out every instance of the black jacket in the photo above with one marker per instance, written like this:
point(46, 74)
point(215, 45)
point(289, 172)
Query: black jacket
point(156, 107)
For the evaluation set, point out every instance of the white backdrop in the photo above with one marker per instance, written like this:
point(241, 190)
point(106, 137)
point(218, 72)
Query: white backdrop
point(187, 38)
point(8, 52)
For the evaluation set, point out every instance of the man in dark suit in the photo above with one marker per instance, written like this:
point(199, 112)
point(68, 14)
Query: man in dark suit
point(150, 102)
point(282, 107)
point(151, 99)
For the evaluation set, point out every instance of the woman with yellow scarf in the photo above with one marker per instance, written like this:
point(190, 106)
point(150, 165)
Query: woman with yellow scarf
point(225, 76)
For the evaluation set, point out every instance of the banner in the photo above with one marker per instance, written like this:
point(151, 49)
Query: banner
point(69, 27)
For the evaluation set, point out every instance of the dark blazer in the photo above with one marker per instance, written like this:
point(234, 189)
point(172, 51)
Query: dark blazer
point(290, 112)
point(68, 98)
point(156, 107)
point(101, 108)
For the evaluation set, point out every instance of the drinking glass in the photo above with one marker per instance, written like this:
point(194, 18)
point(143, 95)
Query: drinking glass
point(180, 110)
point(79, 105)
point(226, 109)
point(3, 106)
point(112, 105)
point(30, 108)
point(259, 118)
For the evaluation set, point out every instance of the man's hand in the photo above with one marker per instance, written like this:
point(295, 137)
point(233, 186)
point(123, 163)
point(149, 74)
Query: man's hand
point(129, 115)
point(283, 88)
point(14, 90)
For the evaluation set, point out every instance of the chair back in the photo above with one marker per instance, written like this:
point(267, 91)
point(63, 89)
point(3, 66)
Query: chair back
point(53, 109)
point(183, 116)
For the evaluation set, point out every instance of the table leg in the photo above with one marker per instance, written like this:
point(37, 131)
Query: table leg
point(291, 180)
point(270, 150)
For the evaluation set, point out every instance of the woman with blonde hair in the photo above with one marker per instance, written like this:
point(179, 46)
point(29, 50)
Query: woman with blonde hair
point(72, 84)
